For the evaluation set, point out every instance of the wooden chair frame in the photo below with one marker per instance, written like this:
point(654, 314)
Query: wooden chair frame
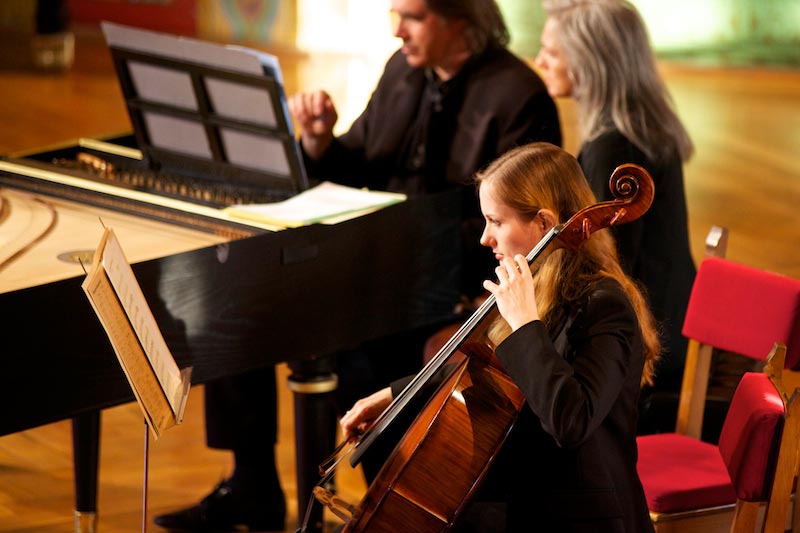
point(776, 509)
point(697, 367)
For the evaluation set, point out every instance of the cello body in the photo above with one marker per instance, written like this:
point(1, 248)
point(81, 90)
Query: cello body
point(441, 460)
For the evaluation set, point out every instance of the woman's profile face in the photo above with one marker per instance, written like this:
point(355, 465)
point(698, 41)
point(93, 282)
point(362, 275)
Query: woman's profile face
point(552, 63)
point(506, 233)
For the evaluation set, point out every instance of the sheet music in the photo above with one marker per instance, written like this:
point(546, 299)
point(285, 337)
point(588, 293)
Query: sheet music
point(324, 203)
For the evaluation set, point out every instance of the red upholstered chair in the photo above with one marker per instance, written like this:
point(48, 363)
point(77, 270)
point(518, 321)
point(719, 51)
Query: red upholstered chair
point(692, 485)
point(735, 308)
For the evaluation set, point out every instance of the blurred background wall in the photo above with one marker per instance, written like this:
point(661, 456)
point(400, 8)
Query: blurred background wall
point(714, 32)
point(708, 32)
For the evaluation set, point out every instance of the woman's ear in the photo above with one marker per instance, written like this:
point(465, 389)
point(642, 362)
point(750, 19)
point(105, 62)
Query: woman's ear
point(546, 218)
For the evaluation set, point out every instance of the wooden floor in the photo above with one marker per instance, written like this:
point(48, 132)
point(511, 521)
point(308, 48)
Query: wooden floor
point(745, 175)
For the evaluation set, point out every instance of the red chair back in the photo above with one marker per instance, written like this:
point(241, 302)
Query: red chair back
point(750, 439)
point(745, 310)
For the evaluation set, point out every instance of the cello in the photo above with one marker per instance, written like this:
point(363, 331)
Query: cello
point(438, 465)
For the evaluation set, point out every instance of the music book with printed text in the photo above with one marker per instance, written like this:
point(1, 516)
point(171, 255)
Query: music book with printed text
point(325, 203)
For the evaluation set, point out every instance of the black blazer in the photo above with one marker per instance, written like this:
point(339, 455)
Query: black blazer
point(572, 456)
point(504, 104)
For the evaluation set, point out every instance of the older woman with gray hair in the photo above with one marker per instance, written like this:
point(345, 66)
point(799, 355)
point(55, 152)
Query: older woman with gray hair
point(598, 53)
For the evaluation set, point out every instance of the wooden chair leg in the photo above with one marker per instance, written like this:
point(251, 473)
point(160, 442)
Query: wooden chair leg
point(745, 517)
point(694, 390)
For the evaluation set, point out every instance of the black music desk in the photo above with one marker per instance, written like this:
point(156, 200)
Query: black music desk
point(295, 295)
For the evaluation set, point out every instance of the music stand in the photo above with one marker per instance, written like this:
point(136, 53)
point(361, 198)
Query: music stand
point(210, 111)
point(160, 387)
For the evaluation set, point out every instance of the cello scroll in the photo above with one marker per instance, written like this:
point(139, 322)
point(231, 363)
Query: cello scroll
point(633, 191)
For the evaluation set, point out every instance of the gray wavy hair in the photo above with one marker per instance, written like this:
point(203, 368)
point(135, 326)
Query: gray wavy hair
point(485, 25)
point(615, 81)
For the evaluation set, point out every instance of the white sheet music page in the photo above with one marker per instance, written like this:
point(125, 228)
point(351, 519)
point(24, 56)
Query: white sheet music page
point(327, 202)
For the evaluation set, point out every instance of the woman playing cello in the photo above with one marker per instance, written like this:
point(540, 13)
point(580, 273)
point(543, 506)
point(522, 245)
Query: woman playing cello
point(576, 337)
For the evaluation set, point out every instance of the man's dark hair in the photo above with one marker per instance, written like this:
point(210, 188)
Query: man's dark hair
point(485, 25)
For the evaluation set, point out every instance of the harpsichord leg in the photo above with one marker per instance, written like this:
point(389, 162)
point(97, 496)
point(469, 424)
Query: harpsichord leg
point(312, 381)
point(86, 452)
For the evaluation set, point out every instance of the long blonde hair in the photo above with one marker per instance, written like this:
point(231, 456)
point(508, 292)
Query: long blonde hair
point(615, 80)
point(542, 176)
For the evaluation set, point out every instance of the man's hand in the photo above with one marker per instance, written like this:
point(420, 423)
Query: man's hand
point(316, 116)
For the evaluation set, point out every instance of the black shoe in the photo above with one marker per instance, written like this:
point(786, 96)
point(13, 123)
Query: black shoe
point(226, 509)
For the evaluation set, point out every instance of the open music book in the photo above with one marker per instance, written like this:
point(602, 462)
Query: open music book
point(160, 387)
point(326, 203)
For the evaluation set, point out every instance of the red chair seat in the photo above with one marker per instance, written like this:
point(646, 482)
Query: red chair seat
point(680, 473)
